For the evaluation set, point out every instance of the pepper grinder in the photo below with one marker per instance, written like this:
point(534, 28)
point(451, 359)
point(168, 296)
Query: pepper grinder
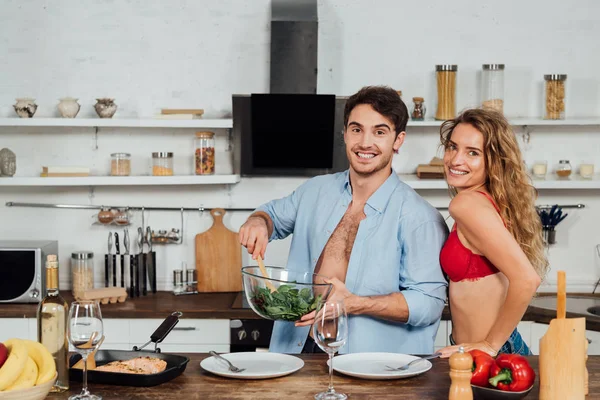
point(460, 375)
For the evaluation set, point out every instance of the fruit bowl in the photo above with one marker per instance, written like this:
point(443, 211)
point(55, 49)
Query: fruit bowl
point(488, 393)
point(33, 393)
point(283, 294)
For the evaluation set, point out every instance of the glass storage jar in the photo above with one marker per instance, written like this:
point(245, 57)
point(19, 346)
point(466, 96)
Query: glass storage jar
point(446, 91)
point(555, 96)
point(564, 169)
point(204, 155)
point(418, 109)
point(162, 164)
point(492, 87)
point(82, 272)
point(120, 164)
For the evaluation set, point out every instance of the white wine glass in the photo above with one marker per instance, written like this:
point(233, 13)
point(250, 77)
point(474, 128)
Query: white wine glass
point(330, 332)
point(85, 330)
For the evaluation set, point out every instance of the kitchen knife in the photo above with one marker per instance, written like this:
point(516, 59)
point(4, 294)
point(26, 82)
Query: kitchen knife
point(126, 244)
point(140, 262)
point(144, 268)
point(115, 259)
point(151, 261)
point(107, 261)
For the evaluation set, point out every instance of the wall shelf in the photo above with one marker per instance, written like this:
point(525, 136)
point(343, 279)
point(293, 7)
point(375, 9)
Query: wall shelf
point(122, 180)
point(592, 121)
point(118, 123)
point(551, 182)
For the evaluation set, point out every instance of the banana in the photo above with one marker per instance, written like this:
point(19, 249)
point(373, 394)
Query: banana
point(27, 378)
point(15, 363)
point(43, 359)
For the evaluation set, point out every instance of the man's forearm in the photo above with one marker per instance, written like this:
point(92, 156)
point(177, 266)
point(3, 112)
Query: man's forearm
point(266, 217)
point(392, 307)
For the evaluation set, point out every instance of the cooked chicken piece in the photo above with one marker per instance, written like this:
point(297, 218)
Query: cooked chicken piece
point(139, 365)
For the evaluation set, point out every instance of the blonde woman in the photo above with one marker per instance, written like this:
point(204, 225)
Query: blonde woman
point(494, 256)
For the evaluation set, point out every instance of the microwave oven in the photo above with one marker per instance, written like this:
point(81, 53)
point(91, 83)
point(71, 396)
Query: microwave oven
point(22, 269)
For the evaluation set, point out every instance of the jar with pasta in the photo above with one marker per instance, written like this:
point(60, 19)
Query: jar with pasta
point(492, 87)
point(446, 91)
point(204, 154)
point(162, 164)
point(120, 164)
point(555, 96)
point(82, 272)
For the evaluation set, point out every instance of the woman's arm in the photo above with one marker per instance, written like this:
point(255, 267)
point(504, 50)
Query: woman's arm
point(479, 223)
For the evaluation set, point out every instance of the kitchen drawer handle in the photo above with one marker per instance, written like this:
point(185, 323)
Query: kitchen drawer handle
point(589, 340)
point(185, 328)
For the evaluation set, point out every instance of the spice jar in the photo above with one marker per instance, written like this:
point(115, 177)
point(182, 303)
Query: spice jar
point(204, 155)
point(555, 96)
point(564, 169)
point(418, 109)
point(82, 272)
point(446, 91)
point(120, 164)
point(492, 87)
point(162, 164)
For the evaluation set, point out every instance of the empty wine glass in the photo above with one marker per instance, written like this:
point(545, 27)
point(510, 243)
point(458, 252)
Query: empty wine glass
point(330, 332)
point(85, 330)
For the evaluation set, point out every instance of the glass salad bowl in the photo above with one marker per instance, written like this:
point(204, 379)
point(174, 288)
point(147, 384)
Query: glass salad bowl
point(283, 294)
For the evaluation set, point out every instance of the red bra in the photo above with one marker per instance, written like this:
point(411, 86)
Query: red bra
point(460, 263)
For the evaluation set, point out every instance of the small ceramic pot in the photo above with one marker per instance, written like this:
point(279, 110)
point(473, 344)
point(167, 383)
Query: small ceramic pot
point(105, 107)
point(68, 107)
point(25, 107)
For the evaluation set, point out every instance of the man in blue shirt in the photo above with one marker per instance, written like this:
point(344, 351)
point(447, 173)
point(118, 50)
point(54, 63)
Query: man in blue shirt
point(375, 238)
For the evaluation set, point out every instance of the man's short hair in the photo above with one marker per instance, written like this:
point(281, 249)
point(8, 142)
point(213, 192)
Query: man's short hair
point(384, 100)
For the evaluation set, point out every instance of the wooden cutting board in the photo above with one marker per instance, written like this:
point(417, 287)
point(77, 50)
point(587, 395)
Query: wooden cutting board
point(218, 257)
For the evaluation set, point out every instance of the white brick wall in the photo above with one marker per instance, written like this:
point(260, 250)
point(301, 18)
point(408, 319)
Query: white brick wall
point(153, 54)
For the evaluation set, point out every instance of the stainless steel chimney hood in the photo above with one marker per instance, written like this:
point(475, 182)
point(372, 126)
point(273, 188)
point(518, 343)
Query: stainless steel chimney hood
point(294, 38)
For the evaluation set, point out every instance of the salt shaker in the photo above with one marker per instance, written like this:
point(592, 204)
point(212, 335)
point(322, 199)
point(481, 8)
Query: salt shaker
point(460, 374)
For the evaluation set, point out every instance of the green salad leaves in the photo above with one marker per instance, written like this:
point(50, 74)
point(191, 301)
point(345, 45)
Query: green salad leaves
point(286, 303)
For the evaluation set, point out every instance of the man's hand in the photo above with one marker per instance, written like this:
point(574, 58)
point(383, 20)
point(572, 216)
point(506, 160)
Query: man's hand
point(338, 292)
point(254, 235)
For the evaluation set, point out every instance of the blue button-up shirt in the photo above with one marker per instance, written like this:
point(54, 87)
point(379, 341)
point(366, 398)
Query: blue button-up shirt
point(396, 249)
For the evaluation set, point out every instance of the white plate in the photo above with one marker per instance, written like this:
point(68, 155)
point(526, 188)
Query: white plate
point(372, 365)
point(258, 365)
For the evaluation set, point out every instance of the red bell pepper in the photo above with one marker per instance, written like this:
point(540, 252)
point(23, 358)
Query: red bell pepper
point(482, 363)
point(512, 373)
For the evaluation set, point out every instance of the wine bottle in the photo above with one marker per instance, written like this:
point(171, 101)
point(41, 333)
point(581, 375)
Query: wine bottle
point(52, 317)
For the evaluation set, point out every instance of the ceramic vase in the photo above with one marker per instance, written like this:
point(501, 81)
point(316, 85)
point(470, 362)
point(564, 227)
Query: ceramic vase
point(68, 107)
point(105, 107)
point(25, 107)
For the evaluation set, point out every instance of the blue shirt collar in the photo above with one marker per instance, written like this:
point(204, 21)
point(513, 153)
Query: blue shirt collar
point(378, 200)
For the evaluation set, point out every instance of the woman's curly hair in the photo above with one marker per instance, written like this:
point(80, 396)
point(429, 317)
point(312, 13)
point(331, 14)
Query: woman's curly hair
point(507, 180)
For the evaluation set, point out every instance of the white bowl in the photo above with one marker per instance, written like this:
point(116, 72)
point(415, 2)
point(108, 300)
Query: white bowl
point(33, 393)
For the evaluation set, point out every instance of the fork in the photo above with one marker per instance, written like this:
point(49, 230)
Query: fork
point(232, 367)
point(407, 366)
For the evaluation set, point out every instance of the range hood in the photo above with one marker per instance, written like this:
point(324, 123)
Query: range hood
point(294, 46)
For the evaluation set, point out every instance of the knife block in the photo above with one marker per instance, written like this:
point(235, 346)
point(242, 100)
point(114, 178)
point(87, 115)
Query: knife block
point(562, 360)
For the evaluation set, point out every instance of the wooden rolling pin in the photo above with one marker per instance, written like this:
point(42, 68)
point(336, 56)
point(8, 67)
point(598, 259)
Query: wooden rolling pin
point(105, 295)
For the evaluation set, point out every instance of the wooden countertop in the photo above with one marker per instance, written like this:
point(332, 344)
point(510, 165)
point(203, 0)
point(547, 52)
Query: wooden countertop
point(223, 306)
point(195, 383)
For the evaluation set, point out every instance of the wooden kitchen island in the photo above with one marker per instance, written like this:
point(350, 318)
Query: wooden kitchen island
point(195, 383)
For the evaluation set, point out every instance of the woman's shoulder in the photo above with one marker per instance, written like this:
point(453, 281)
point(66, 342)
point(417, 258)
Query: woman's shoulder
point(468, 203)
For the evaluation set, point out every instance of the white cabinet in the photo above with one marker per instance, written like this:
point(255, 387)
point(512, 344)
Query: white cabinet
point(189, 336)
point(14, 328)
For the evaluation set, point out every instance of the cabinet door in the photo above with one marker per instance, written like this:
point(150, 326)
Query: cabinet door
point(14, 328)
point(116, 334)
point(593, 342)
point(441, 338)
point(537, 332)
point(195, 335)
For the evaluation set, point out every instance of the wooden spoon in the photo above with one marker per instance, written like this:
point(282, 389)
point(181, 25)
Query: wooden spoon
point(263, 270)
point(91, 361)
